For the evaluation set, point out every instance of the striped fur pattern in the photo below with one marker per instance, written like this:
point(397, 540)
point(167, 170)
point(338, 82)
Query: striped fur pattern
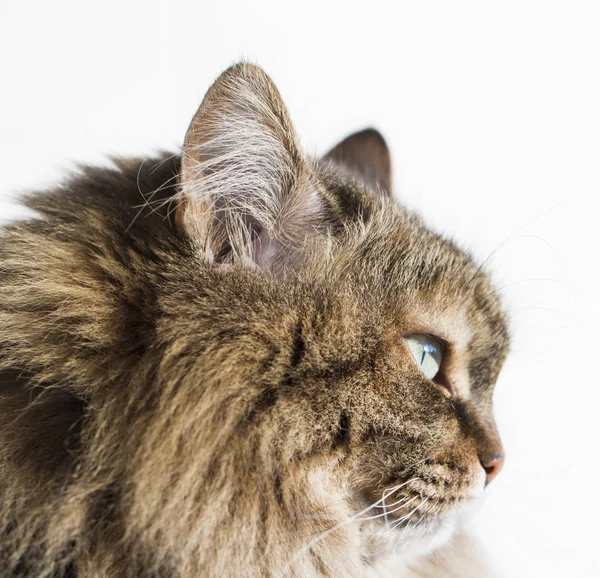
point(203, 369)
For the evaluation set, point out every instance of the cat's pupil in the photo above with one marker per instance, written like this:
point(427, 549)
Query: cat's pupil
point(427, 351)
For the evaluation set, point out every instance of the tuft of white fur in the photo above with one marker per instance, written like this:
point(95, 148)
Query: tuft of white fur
point(244, 179)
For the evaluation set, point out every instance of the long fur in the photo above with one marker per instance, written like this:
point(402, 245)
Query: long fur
point(172, 406)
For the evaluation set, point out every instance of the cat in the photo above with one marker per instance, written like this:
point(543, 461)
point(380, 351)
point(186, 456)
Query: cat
point(241, 361)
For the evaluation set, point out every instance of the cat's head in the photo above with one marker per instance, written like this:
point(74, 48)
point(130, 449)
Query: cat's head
point(354, 350)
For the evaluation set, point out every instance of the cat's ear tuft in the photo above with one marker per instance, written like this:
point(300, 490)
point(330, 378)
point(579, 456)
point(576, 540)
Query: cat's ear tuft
point(246, 191)
point(365, 156)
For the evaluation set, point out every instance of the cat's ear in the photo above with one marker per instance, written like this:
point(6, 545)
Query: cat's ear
point(365, 155)
point(246, 191)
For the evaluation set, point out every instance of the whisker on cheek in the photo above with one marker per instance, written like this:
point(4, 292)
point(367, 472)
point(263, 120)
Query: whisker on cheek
point(357, 517)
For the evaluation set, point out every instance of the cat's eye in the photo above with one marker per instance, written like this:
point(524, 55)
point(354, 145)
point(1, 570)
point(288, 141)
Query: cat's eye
point(427, 351)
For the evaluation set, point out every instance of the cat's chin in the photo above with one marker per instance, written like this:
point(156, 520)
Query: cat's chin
point(405, 545)
point(416, 517)
point(400, 545)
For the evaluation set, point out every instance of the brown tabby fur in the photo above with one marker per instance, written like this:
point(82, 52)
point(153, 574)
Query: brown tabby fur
point(208, 384)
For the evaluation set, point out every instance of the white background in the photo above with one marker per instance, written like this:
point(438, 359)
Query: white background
point(492, 113)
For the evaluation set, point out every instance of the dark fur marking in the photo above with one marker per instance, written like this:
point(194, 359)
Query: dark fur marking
point(277, 489)
point(298, 346)
point(319, 564)
point(461, 416)
point(267, 363)
point(342, 433)
point(265, 401)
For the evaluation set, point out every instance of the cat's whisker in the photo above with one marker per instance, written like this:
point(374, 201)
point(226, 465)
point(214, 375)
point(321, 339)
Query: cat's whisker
point(515, 233)
point(375, 517)
point(532, 280)
point(504, 314)
point(385, 514)
point(408, 525)
point(400, 505)
point(568, 284)
point(516, 238)
point(536, 307)
point(340, 525)
point(552, 208)
point(429, 511)
point(392, 505)
point(397, 523)
point(398, 502)
point(385, 494)
point(385, 511)
point(408, 516)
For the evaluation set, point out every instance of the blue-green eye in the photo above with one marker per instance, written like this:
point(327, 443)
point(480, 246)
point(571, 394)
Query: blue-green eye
point(427, 351)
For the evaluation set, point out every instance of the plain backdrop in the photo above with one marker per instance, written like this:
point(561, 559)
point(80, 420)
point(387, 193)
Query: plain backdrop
point(492, 114)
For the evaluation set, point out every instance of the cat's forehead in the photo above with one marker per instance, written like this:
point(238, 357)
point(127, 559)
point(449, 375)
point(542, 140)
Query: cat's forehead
point(422, 282)
point(445, 288)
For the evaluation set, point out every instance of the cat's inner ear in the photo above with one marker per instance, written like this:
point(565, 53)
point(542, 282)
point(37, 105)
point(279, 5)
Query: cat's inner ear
point(246, 192)
point(365, 156)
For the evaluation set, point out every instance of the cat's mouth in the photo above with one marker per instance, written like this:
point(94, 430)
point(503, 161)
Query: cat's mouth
point(414, 504)
point(410, 519)
point(402, 513)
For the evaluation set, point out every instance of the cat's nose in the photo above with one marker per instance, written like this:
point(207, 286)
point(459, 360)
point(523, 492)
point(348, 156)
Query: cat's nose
point(492, 466)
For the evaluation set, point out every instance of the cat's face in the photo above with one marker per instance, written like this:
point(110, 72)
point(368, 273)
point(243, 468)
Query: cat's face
point(385, 340)
point(416, 444)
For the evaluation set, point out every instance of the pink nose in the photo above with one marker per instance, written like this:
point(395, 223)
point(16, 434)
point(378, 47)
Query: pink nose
point(492, 467)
